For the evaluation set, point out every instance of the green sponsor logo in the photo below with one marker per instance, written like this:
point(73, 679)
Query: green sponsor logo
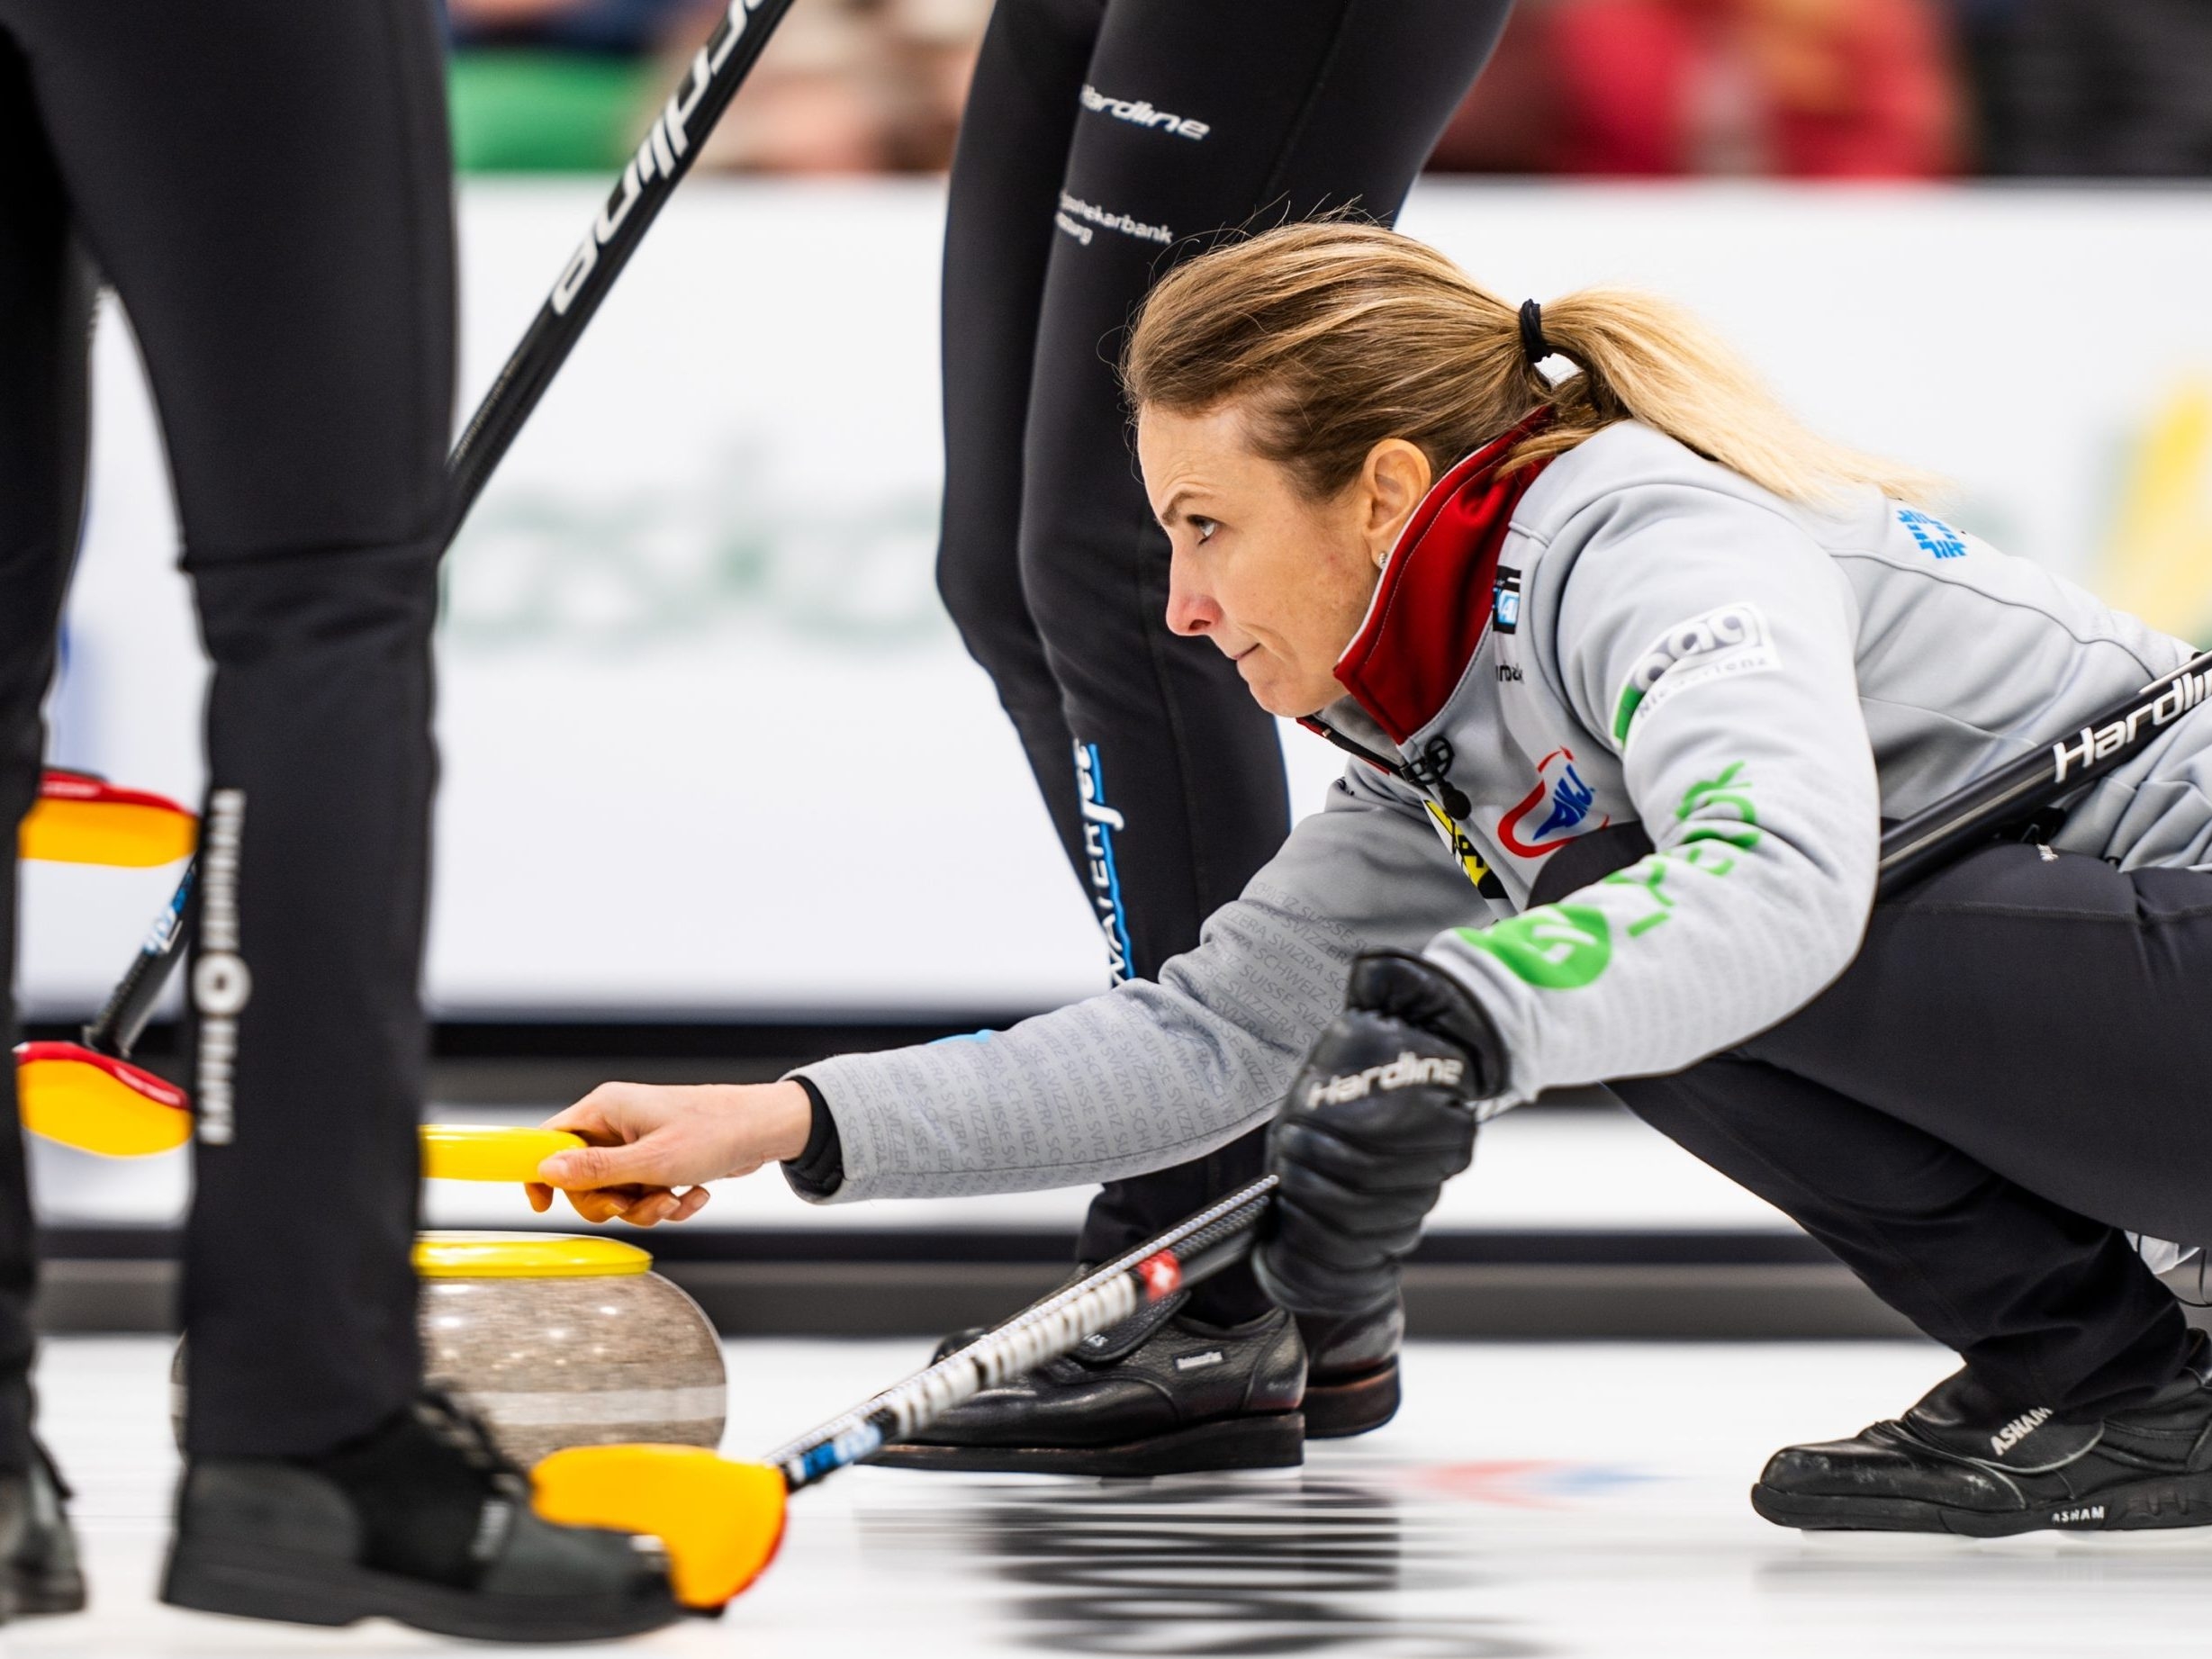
point(1624, 711)
point(1563, 947)
point(1646, 881)
point(1715, 802)
point(1556, 947)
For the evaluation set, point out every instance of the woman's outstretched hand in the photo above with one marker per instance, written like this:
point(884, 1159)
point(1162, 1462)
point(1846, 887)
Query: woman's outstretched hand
point(649, 1140)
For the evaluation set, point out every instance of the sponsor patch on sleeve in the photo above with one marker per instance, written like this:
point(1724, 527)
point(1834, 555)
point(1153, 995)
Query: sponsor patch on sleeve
point(1505, 602)
point(1935, 538)
point(1725, 643)
point(1553, 946)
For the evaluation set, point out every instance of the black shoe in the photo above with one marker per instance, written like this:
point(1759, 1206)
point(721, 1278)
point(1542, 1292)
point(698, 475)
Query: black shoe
point(1960, 1461)
point(421, 1521)
point(1351, 1371)
point(1157, 1395)
point(39, 1570)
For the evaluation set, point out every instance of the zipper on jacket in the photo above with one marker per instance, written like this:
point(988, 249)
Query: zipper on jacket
point(1426, 774)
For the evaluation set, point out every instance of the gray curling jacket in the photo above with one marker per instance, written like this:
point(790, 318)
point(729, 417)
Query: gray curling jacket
point(1629, 635)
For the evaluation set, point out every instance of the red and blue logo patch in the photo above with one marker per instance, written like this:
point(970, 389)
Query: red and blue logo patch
point(1557, 807)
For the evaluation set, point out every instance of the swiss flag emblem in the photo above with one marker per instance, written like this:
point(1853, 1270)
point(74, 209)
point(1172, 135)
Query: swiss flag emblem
point(1162, 1275)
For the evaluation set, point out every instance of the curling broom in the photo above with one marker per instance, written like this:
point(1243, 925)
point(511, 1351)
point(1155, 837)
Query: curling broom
point(722, 1520)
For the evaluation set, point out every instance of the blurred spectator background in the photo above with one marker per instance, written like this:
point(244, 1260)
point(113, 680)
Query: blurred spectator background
point(844, 87)
point(1604, 89)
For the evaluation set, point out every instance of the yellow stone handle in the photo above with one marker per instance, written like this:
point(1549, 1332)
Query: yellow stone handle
point(487, 1152)
point(98, 1104)
point(721, 1520)
point(84, 820)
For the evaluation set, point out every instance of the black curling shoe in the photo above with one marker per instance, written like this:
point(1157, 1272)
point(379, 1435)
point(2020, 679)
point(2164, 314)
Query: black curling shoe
point(1960, 1461)
point(1157, 1395)
point(1352, 1370)
point(38, 1570)
point(422, 1521)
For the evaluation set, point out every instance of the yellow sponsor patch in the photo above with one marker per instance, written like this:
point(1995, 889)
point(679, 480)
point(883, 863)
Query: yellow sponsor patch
point(1462, 849)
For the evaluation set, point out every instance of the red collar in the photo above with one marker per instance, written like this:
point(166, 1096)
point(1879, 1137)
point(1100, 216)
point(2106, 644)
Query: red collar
point(1434, 598)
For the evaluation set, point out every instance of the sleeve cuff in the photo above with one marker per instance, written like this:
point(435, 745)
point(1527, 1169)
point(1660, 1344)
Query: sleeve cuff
point(818, 1171)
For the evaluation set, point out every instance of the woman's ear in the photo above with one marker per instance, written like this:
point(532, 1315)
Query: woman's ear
point(1394, 478)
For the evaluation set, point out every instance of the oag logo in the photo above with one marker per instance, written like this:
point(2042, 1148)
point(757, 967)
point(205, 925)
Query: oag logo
point(1726, 642)
point(1552, 813)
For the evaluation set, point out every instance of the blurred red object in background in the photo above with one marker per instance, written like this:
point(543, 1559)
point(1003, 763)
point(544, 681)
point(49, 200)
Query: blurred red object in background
point(1790, 89)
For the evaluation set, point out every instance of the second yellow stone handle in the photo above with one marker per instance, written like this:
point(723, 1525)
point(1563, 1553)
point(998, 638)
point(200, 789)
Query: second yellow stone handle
point(96, 1103)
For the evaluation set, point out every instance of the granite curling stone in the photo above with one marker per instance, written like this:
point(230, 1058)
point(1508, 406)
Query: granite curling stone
point(558, 1339)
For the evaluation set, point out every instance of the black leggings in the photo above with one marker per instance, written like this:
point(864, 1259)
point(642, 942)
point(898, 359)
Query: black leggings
point(266, 185)
point(1104, 141)
point(2016, 1067)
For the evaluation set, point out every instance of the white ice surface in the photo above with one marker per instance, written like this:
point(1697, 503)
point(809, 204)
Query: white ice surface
point(1532, 1501)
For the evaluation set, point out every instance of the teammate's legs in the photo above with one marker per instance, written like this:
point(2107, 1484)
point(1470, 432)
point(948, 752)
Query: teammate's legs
point(46, 292)
point(267, 186)
point(1194, 117)
point(1022, 109)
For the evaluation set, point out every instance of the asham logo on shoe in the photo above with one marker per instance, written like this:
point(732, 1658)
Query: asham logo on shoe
point(2076, 1517)
point(2018, 1429)
point(1409, 1070)
point(1199, 1362)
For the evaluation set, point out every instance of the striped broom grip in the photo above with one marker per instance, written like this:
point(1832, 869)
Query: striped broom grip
point(1191, 1250)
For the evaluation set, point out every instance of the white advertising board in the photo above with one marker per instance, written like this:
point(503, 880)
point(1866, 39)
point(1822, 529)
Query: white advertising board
point(711, 744)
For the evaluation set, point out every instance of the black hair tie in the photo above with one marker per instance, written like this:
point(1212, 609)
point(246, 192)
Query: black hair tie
point(1534, 346)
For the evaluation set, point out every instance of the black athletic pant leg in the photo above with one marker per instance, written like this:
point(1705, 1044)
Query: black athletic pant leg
point(46, 294)
point(1186, 120)
point(1006, 171)
point(2012, 1072)
point(267, 186)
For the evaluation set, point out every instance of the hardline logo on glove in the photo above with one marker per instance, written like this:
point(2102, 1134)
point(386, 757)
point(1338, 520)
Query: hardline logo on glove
point(1409, 1070)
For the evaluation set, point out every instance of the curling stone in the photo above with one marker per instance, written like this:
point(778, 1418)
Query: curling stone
point(559, 1340)
point(566, 1341)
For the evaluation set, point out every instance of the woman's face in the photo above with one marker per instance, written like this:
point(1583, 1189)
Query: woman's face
point(1278, 581)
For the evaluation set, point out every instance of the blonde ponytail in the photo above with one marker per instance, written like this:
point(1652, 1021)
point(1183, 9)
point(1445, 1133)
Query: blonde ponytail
point(1339, 334)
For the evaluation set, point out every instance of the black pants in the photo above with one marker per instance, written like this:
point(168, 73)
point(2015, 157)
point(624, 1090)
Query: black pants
point(1104, 141)
point(266, 185)
point(2018, 1067)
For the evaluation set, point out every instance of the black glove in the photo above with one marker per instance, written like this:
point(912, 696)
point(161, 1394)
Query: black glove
point(1379, 1117)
